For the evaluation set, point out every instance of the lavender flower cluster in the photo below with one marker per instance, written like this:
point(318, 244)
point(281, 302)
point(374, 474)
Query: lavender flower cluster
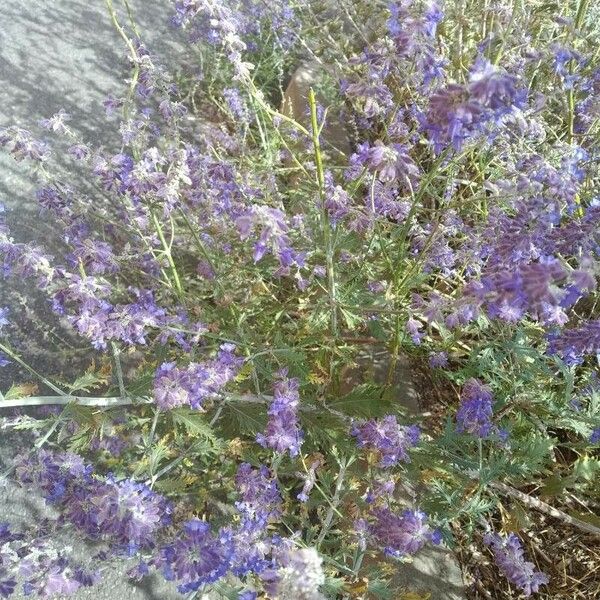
point(191, 386)
point(401, 535)
point(283, 433)
point(475, 411)
point(123, 512)
point(508, 554)
point(198, 556)
point(38, 566)
point(386, 436)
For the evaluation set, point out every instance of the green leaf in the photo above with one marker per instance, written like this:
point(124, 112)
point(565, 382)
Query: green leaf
point(586, 468)
point(243, 418)
point(352, 320)
point(22, 390)
point(367, 400)
point(170, 486)
point(377, 330)
point(87, 382)
point(195, 425)
point(517, 519)
point(323, 428)
point(586, 517)
point(555, 485)
point(84, 415)
point(158, 453)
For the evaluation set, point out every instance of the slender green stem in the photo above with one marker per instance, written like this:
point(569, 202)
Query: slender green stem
point(358, 559)
point(43, 379)
point(118, 368)
point(334, 503)
point(579, 18)
point(325, 224)
point(133, 52)
point(258, 96)
point(153, 428)
point(131, 18)
point(167, 252)
point(507, 33)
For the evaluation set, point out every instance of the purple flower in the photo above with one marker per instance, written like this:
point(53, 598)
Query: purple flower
point(475, 410)
point(380, 489)
point(283, 432)
point(413, 328)
point(96, 256)
point(195, 558)
point(22, 145)
point(112, 104)
point(79, 151)
point(433, 15)
point(391, 163)
point(3, 319)
point(130, 513)
point(438, 360)
point(177, 386)
point(337, 200)
point(459, 112)
point(55, 201)
point(390, 439)
point(574, 344)
point(260, 499)
point(39, 564)
point(57, 122)
point(508, 554)
point(492, 88)
point(299, 575)
point(595, 436)
point(7, 584)
point(452, 117)
point(401, 535)
point(171, 386)
point(274, 236)
point(125, 513)
point(237, 105)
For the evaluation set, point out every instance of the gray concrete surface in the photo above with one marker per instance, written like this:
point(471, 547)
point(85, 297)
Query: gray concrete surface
point(60, 54)
point(65, 54)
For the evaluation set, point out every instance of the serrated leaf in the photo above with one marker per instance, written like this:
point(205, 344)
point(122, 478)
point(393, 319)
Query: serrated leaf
point(516, 519)
point(22, 390)
point(84, 415)
point(352, 320)
point(377, 330)
point(157, 454)
point(88, 382)
point(555, 485)
point(317, 378)
point(25, 423)
point(195, 425)
point(586, 468)
point(245, 372)
point(243, 418)
point(586, 517)
point(170, 486)
point(367, 400)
